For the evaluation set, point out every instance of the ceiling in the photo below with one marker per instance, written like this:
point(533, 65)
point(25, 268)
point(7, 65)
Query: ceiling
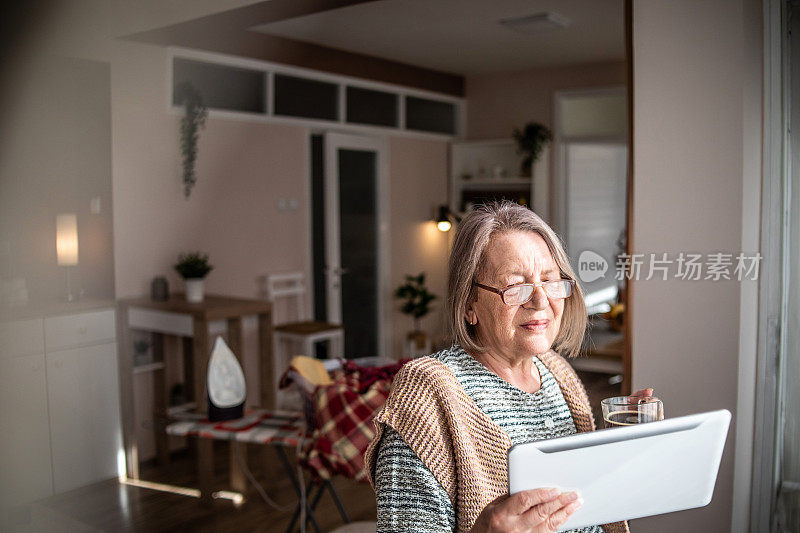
point(427, 44)
point(463, 37)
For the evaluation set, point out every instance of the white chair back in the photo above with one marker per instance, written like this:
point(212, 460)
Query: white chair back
point(285, 288)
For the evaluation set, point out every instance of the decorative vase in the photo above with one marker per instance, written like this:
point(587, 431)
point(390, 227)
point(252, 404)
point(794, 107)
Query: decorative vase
point(194, 290)
point(159, 289)
point(418, 338)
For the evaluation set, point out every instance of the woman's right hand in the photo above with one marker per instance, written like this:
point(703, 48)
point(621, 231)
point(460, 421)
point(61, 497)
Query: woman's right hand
point(535, 511)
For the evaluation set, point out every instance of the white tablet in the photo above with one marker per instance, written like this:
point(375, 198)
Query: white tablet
point(629, 472)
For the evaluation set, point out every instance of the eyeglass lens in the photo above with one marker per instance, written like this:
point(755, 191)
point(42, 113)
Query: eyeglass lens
point(520, 294)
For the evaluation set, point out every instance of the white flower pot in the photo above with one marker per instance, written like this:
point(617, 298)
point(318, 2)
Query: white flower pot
point(194, 290)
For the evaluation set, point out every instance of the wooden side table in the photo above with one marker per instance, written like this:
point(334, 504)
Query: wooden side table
point(190, 321)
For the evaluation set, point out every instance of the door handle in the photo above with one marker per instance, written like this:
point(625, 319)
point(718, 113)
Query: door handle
point(337, 271)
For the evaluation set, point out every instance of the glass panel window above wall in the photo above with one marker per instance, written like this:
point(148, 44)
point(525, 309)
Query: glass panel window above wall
point(432, 116)
point(366, 106)
point(305, 98)
point(221, 86)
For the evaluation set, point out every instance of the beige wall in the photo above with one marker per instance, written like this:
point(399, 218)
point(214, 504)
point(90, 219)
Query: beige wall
point(418, 170)
point(55, 157)
point(232, 213)
point(693, 122)
point(498, 103)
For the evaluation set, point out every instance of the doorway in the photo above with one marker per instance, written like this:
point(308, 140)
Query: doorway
point(348, 238)
point(590, 209)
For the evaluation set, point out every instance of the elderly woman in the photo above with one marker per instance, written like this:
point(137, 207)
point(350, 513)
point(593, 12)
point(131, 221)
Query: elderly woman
point(439, 459)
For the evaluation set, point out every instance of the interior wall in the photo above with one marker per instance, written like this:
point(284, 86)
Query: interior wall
point(418, 173)
point(55, 158)
point(499, 102)
point(232, 214)
point(693, 157)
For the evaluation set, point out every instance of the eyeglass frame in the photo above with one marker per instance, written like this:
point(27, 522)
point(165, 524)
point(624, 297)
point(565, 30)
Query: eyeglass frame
point(543, 285)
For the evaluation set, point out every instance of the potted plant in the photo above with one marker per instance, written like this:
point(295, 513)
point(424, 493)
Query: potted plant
point(530, 141)
point(193, 268)
point(417, 304)
point(194, 119)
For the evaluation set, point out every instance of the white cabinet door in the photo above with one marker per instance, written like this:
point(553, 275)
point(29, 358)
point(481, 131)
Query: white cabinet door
point(83, 398)
point(24, 433)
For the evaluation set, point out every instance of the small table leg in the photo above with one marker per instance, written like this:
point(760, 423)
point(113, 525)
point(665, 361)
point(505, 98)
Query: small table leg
point(238, 460)
point(160, 400)
point(201, 356)
point(265, 361)
point(188, 368)
point(205, 467)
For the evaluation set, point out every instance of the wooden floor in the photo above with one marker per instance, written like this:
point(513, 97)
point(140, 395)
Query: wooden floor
point(112, 506)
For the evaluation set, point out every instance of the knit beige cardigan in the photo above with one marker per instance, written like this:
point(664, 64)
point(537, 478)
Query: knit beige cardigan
point(466, 451)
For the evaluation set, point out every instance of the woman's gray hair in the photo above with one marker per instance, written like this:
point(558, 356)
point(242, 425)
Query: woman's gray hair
point(467, 261)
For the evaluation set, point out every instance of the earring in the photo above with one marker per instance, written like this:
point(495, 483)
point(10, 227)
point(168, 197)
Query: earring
point(473, 321)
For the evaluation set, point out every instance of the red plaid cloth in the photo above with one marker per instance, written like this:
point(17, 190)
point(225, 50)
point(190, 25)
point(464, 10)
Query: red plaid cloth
point(343, 413)
point(257, 426)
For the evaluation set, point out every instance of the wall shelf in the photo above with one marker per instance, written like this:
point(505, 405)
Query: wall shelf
point(482, 171)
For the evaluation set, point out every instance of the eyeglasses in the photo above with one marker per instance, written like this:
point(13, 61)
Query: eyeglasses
point(523, 292)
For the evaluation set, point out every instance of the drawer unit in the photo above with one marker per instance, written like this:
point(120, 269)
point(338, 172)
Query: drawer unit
point(82, 329)
point(21, 337)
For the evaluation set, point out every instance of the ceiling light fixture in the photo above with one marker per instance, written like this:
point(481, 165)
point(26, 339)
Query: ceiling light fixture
point(537, 23)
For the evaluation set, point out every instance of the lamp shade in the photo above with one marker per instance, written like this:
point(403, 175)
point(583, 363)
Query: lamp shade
point(443, 219)
point(67, 239)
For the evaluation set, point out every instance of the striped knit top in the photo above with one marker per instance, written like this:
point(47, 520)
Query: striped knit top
point(409, 497)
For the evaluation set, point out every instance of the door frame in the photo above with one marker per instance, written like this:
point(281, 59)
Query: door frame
point(332, 140)
point(770, 378)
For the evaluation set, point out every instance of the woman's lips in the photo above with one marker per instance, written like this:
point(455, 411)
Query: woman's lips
point(536, 325)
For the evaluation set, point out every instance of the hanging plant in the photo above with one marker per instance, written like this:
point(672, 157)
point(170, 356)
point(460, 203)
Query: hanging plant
point(530, 141)
point(194, 119)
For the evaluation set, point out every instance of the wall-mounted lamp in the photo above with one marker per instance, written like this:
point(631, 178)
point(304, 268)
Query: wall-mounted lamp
point(67, 245)
point(445, 218)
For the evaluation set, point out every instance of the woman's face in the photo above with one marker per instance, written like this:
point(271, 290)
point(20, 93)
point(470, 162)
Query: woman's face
point(514, 332)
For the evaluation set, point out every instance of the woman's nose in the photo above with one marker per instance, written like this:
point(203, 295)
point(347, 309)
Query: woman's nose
point(538, 300)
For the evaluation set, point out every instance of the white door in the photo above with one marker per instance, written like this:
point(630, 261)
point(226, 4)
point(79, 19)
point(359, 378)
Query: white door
point(356, 268)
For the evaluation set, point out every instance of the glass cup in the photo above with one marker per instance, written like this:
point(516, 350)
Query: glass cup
point(622, 411)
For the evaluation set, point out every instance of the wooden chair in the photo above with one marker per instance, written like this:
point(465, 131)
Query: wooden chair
point(298, 335)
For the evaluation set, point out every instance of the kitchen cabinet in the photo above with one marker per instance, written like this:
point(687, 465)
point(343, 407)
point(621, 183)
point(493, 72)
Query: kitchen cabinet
point(59, 400)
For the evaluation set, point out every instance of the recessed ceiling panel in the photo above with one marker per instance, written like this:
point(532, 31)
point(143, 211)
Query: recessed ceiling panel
point(465, 36)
